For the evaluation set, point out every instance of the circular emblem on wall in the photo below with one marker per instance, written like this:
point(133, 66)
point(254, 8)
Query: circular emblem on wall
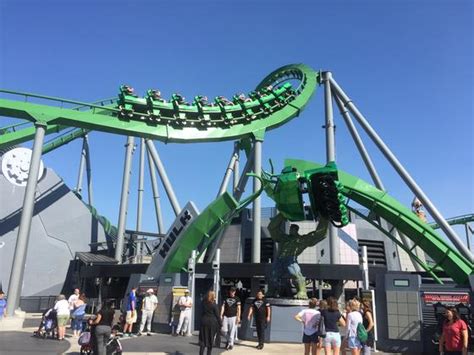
point(16, 166)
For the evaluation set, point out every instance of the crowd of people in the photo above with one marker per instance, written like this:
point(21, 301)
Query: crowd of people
point(326, 327)
point(324, 324)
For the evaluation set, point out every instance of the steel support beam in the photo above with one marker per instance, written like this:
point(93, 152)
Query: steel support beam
point(330, 156)
point(228, 171)
point(164, 177)
point(411, 183)
point(21, 248)
point(257, 210)
point(141, 172)
point(88, 171)
point(236, 169)
point(468, 236)
point(371, 168)
point(156, 194)
point(80, 175)
point(244, 177)
point(124, 200)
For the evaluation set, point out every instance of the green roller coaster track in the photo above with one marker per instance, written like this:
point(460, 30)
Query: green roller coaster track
point(274, 102)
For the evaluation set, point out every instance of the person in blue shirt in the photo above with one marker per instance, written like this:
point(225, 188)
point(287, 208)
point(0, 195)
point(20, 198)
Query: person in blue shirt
point(131, 316)
point(3, 305)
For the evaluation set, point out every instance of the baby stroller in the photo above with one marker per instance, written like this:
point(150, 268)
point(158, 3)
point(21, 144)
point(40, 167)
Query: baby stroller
point(87, 342)
point(48, 324)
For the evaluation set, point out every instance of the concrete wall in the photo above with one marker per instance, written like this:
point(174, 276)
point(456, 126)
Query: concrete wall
point(61, 226)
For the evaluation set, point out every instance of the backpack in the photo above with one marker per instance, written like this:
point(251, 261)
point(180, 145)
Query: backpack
point(362, 334)
point(322, 328)
point(85, 338)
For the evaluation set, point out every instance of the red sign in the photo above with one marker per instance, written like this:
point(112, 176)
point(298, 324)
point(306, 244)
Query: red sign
point(447, 299)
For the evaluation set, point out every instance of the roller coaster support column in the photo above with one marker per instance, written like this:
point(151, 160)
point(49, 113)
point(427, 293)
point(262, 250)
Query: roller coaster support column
point(244, 177)
point(21, 248)
point(81, 169)
point(450, 233)
point(141, 172)
point(370, 167)
point(192, 288)
point(365, 268)
point(124, 200)
point(330, 156)
point(236, 168)
point(257, 209)
point(164, 177)
point(230, 167)
point(468, 238)
point(156, 195)
point(88, 170)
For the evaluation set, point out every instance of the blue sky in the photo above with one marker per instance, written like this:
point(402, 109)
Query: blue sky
point(406, 64)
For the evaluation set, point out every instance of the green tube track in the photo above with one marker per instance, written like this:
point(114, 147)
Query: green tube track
point(179, 123)
point(403, 219)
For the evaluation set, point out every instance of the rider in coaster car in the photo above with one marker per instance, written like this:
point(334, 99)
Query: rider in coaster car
point(224, 100)
point(179, 99)
point(128, 90)
point(241, 98)
point(156, 95)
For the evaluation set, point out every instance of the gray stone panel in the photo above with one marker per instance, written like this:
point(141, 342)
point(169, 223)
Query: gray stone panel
point(61, 226)
point(402, 297)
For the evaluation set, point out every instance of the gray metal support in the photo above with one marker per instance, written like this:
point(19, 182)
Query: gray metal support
point(228, 171)
point(81, 168)
point(216, 265)
point(236, 169)
point(156, 195)
point(468, 236)
point(164, 178)
point(330, 156)
point(244, 177)
point(370, 167)
point(88, 171)
point(192, 288)
point(141, 172)
point(365, 268)
point(411, 183)
point(360, 145)
point(21, 248)
point(257, 210)
point(124, 200)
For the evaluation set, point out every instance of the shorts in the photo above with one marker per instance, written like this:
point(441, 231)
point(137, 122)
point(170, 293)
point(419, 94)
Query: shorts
point(62, 320)
point(308, 339)
point(332, 339)
point(353, 343)
point(131, 317)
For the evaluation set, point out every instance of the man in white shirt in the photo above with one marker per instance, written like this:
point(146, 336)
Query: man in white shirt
point(185, 304)
point(149, 305)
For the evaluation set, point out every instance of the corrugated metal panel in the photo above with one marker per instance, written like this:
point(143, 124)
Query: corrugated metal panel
point(89, 258)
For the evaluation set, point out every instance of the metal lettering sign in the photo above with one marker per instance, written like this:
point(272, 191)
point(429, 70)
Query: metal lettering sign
point(172, 239)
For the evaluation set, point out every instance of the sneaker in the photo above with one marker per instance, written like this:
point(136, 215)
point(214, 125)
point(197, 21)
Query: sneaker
point(133, 335)
point(175, 334)
point(139, 334)
point(230, 347)
point(149, 334)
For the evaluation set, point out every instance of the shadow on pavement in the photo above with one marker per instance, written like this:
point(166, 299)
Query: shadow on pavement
point(21, 343)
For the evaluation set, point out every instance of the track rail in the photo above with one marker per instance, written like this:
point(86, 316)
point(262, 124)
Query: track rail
point(275, 101)
point(402, 218)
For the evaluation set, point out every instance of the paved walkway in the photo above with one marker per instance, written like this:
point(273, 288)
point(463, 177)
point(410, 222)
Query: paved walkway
point(22, 342)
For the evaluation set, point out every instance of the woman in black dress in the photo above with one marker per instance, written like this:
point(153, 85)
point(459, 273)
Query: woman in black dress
point(210, 323)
